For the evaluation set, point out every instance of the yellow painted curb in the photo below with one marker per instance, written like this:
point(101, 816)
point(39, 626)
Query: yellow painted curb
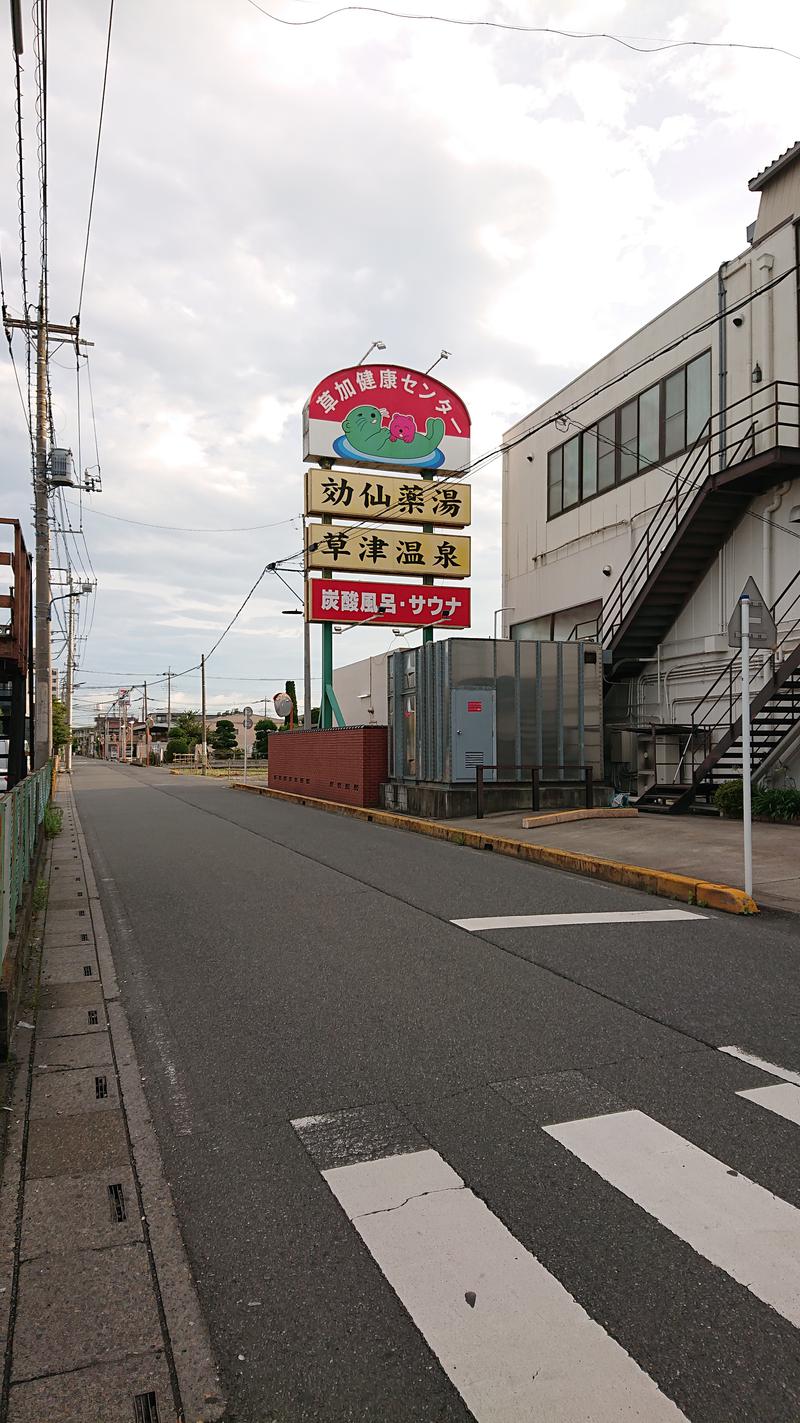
point(660, 882)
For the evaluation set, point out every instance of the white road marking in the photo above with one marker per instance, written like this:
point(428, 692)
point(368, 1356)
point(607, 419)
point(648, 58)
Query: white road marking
point(785, 1072)
point(545, 921)
point(783, 1098)
point(736, 1224)
point(512, 1340)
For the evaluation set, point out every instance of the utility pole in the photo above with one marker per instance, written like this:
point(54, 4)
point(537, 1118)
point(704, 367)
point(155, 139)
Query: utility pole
point(43, 691)
point(747, 759)
point(203, 708)
point(168, 675)
point(70, 677)
point(146, 728)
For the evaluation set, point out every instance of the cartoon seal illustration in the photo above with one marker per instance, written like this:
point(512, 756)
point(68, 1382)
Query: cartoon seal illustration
point(368, 436)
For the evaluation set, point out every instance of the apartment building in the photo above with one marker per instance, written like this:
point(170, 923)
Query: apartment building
point(638, 500)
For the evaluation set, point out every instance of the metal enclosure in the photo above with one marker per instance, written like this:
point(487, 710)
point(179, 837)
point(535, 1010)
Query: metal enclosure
point(533, 704)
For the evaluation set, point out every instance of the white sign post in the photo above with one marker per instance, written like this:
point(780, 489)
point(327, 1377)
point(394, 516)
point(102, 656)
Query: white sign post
point(747, 810)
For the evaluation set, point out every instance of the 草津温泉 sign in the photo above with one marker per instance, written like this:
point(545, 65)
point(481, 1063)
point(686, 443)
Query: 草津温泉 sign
point(387, 551)
point(389, 497)
point(387, 604)
point(386, 416)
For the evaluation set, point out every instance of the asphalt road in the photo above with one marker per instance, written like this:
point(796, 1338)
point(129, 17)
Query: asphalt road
point(279, 964)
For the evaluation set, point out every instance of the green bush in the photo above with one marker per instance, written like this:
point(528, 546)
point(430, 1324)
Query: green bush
point(728, 798)
point(176, 746)
point(53, 818)
point(777, 804)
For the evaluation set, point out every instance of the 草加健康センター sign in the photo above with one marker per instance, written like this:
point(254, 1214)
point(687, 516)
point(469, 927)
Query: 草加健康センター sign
point(387, 551)
point(383, 415)
point(398, 500)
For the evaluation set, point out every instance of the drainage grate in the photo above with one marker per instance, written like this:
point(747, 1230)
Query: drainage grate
point(87, 970)
point(81, 913)
point(84, 938)
point(145, 1408)
point(92, 1017)
point(100, 1088)
point(116, 1197)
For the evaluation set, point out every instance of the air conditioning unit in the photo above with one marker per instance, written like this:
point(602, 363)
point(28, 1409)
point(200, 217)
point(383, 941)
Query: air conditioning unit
point(61, 469)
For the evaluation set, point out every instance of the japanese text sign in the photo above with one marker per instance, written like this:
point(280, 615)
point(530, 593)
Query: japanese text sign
point(386, 416)
point(387, 604)
point(387, 551)
point(398, 500)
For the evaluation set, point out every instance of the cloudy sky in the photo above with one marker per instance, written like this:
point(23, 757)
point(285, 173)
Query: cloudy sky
point(271, 199)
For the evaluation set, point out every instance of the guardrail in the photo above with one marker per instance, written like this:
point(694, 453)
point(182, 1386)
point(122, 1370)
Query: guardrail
point(537, 781)
point(21, 814)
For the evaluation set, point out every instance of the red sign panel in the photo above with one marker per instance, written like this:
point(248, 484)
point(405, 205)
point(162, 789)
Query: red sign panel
point(474, 706)
point(387, 604)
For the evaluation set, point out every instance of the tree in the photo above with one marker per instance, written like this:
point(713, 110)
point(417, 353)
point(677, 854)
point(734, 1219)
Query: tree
point(224, 738)
point(315, 716)
point(188, 727)
point(176, 746)
point(290, 692)
point(61, 728)
point(263, 728)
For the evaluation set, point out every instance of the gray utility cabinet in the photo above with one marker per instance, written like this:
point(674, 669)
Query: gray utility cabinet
point(465, 702)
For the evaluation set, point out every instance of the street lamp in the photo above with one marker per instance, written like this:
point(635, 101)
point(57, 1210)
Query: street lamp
point(507, 609)
point(376, 346)
point(442, 356)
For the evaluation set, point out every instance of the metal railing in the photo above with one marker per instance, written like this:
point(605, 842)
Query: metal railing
point(537, 781)
point(720, 707)
point(21, 814)
point(750, 426)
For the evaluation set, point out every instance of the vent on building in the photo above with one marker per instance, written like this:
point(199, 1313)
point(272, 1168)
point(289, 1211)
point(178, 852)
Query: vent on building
point(473, 758)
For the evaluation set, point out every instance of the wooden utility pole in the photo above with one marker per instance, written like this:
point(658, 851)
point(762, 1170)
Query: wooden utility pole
point(203, 709)
point(146, 727)
point(70, 678)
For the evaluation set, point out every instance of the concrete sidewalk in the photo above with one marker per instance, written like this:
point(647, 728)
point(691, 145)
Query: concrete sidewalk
point(679, 844)
point(97, 1305)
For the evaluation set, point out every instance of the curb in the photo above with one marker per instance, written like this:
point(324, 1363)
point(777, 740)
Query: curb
point(659, 882)
point(564, 817)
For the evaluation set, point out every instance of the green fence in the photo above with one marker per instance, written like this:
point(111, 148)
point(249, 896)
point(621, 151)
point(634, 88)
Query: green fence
point(21, 814)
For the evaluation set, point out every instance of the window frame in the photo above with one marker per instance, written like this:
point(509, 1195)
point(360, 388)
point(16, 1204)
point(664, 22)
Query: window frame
point(616, 416)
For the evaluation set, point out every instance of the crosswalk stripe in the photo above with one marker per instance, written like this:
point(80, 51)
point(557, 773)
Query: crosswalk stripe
point(733, 1222)
point(510, 1337)
point(783, 1098)
point(772, 1068)
point(552, 921)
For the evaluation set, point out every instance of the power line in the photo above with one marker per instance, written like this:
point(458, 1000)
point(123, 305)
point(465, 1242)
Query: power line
point(183, 529)
point(657, 48)
point(96, 158)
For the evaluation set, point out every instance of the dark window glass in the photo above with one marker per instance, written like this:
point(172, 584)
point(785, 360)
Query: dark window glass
point(589, 463)
point(606, 452)
point(698, 396)
point(572, 472)
point(675, 413)
point(554, 466)
point(649, 406)
point(628, 439)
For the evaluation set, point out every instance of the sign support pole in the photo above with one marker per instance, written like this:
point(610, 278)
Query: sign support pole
point(325, 708)
point(747, 809)
point(427, 633)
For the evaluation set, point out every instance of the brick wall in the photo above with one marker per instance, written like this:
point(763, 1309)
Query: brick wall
point(346, 765)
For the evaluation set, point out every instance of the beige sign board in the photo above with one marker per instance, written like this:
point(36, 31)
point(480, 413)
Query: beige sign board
point(352, 494)
point(387, 552)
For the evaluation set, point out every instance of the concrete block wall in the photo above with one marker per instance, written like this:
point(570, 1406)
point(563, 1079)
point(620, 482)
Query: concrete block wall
point(345, 765)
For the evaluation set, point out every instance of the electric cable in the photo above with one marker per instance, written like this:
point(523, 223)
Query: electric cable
point(96, 160)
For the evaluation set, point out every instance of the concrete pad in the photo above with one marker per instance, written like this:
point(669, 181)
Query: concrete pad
point(102, 1393)
point(65, 966)
point(89, 993)
point(75, 1213)
point(63, 1022)
point(61, 920)
point(83, 1308)
point(73, 1146)
point(65, 1094)
point(83, 1050)
point(70, 936)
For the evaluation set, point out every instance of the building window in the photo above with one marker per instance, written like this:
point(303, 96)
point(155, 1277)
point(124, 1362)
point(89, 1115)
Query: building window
point(656, 425)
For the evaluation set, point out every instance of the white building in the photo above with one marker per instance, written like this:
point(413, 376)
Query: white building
point(640, 498)
point(361, 690)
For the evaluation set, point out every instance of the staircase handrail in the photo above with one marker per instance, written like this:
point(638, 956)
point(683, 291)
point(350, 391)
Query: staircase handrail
point(685, 487)
point(726, 674)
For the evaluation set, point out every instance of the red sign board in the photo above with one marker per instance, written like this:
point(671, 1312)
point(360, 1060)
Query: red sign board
point(386, 417)
point(474, 706)
point(387, 604)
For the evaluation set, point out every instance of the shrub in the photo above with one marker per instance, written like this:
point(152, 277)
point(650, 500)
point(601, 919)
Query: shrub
point(777, 804)
point(176, 746)
point(53, 818)
point(728, 798)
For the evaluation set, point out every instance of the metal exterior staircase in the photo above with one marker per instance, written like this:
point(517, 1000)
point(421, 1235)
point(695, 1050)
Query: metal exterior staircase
point(741, 451)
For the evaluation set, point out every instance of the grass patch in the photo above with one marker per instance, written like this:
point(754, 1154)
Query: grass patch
point(40, 895)
point(53, 821)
